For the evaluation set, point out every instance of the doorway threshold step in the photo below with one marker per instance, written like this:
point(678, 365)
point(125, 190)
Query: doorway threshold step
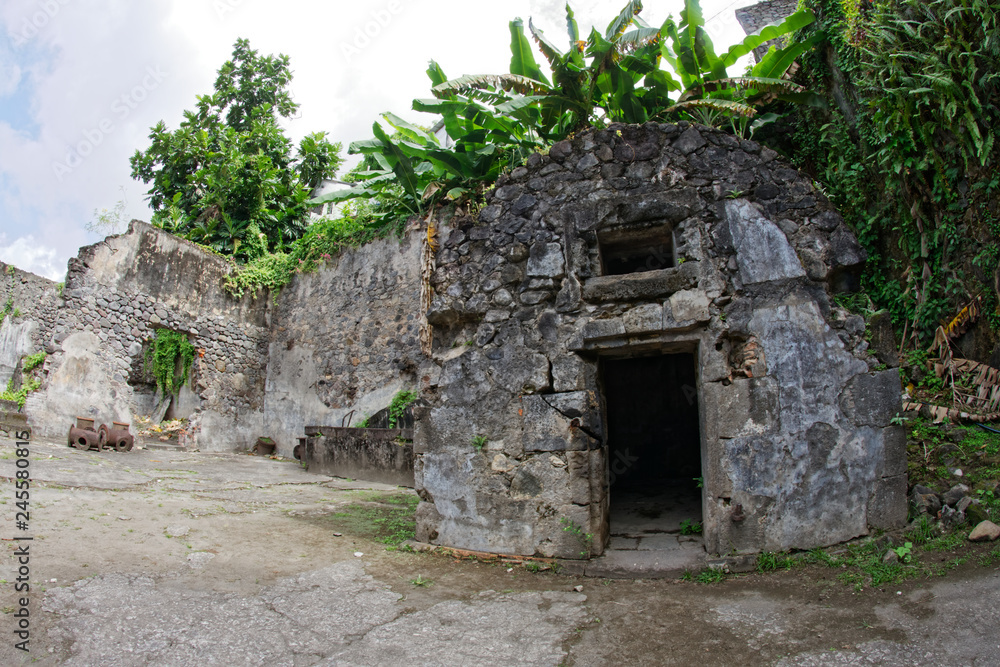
point(656, 542)
point(615, 564)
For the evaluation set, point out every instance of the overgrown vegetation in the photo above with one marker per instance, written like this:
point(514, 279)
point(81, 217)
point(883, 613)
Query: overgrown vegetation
point(907, 148)
point(30, 379)
point(227, 178)
point(169, 359)
point(398, 405)
point(632, 73)
point(936, 451)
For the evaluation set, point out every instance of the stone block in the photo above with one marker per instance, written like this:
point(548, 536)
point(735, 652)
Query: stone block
point(763, 253)
point(689, 305)
point(643, 319)
point(747, 407)
point(668, 207)
point(570, 372)
point(894, 452)
point(579, 476)
point(521, 372)
point(882, 340)
point(609, 328)
point(689, 141)
point(887, 503)
point(562, 427)
point(546, 260)
point(872, 399)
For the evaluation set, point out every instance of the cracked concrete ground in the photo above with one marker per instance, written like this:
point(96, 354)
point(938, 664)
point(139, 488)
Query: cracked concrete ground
point(170, 558)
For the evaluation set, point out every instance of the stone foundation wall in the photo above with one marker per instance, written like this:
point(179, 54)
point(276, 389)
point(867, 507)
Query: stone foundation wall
point(797, 446)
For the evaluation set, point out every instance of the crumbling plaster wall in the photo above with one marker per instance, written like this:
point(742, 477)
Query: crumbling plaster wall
point(344, 339)
point(29, 303)
point(117, 293)
point(798, 450)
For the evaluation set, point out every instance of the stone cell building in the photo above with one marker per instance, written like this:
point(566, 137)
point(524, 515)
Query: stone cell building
point(639, 308)
point(644, 306)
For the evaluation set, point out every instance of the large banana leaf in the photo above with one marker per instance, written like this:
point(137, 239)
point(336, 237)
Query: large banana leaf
point(729, 106)
point(548, 49)
point(435, 73)
point(522, 61)
point(576, 46)
point(479, 82)
point(790, 24)
point(759, 84)
point(777, 61)
point(401, 165)
point(409, 130)
point(621, 22)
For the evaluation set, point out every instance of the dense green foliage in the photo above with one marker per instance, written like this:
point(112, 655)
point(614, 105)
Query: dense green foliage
point(628, 74)
point(324, 238)
point(402, 400)
point(907, 149)
point(226, 178)
point(169, 358)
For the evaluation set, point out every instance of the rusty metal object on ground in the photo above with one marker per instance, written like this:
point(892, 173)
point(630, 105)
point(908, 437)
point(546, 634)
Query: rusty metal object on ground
point(117, 438)
point(264, 447)
point(82, 438)
point(85, 423)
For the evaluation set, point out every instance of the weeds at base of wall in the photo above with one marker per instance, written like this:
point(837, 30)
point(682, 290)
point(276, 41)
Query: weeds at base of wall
point(586, 540)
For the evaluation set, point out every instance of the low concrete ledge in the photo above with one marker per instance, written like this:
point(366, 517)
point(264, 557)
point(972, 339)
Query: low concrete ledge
point(383, 455)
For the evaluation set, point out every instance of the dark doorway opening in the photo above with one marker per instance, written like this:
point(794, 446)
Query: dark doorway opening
point(654, 450)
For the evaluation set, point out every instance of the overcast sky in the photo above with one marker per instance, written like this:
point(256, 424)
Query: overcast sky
point(82, 81)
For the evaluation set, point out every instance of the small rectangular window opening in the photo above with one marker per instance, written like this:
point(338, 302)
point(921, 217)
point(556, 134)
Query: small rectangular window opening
point(636, 250)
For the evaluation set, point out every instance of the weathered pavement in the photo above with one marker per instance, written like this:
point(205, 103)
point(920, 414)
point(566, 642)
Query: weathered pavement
point(166, 558)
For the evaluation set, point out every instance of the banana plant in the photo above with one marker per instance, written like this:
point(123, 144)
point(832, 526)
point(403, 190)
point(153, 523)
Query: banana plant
point(709, 93)
point(632, 73)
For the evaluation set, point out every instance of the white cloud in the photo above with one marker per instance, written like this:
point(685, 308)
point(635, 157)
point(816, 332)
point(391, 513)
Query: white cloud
point(10, 78)
point(28, 254)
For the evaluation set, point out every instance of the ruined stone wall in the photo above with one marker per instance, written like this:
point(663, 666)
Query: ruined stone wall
point(117, 293)
point(29, 303)
point(345, 338)
point(797, 446)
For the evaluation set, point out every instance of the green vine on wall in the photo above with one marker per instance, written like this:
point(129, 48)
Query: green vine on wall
point(168, 350)
point(398, 405)
point(29, 380)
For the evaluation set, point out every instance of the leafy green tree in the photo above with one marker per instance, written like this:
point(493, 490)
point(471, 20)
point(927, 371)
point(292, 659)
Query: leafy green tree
point(227, 175)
